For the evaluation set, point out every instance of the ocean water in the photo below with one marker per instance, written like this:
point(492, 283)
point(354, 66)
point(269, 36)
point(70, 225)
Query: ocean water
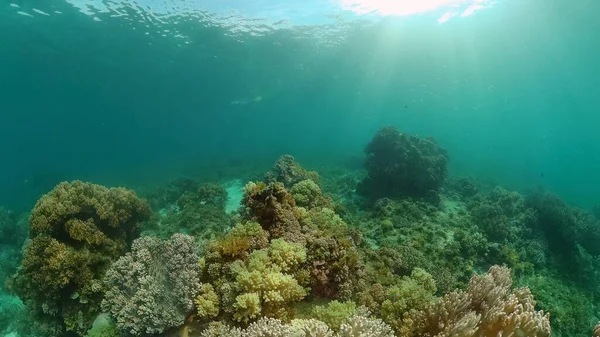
point(117, 91)
point(136, 93)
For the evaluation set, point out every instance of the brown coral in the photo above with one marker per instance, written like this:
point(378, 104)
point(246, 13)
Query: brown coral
point(274, 208)
point(76, 231)
point(488, 308)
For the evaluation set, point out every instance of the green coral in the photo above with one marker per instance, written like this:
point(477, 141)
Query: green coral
point(326, 221)
point(411, 293)
point(334, 313)
point(308, 194)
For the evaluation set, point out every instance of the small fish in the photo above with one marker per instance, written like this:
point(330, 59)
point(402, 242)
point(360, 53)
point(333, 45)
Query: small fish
point(542, 174)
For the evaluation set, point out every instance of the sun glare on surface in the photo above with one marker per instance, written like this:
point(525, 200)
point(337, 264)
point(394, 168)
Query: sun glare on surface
point(410, 7)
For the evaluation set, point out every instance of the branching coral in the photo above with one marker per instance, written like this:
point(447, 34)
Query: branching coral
point(399, 165)
point(335, 268)
point(278, 255)
point(152, 288)
point(239, 242)
point(361, 326)
point(76, 231)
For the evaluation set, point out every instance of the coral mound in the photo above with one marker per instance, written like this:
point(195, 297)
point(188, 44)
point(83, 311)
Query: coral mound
point(399, 165)
point(76, 231)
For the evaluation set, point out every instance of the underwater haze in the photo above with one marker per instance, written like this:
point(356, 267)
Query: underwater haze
point(117, 91)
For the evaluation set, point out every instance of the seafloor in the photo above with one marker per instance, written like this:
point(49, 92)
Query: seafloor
point(388, 245)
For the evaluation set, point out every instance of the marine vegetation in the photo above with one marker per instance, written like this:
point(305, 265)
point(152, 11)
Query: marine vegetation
point(302, 257)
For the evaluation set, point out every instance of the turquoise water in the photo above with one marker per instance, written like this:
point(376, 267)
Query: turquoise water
point(139, 93)
point(127, 93)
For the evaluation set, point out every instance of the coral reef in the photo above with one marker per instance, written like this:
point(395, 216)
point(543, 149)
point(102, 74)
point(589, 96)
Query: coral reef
point(399, 165)
point(297, 261)
point(152, 288)
point(76, 231)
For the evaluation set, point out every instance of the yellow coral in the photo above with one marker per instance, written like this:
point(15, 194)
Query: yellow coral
point(287, 256)
point(207, 302)
point(262, 282)
point(247, 307)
